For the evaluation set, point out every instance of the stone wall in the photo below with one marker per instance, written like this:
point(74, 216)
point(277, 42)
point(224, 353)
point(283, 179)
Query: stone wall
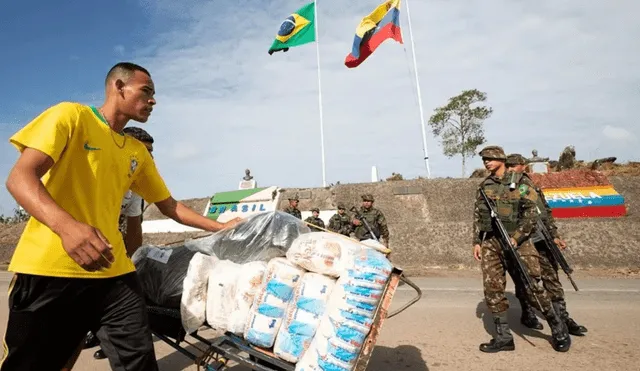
point(430, 223)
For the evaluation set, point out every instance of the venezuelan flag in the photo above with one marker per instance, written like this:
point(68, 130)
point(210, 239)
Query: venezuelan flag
point(297, 29)
point(382, 24)
point(585, 202)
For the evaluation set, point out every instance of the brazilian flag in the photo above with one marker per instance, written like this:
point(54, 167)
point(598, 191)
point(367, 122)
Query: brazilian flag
point(296, 30)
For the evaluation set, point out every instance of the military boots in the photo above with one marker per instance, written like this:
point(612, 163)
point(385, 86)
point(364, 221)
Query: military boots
point(503, 340)
point(560, 306)
point(560, 339)
point(529, 318)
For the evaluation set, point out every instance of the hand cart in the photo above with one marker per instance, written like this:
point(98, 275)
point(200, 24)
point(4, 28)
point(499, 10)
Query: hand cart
point(166, 325)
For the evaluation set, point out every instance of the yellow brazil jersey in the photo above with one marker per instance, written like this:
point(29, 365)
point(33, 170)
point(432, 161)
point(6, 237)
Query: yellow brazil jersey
point(94, 167)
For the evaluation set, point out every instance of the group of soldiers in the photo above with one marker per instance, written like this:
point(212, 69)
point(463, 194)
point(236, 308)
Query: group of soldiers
point(519, 203)
point(367, 222)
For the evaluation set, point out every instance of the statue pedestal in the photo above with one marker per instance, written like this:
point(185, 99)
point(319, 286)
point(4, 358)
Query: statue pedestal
point(539, 167)
point(248, 184)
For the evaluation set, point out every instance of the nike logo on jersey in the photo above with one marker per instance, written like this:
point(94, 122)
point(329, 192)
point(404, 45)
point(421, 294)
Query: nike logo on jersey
point(88, 148)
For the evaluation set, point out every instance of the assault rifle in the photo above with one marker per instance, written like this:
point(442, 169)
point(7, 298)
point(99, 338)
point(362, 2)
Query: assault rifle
point(510, 251)
point(364, 221)
point(554, 250)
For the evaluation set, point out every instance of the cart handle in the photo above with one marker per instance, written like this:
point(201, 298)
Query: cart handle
point(406, 280)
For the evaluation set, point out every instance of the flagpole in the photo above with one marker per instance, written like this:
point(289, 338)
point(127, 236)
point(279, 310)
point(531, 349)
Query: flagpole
point(324, 172)
point(415, 68)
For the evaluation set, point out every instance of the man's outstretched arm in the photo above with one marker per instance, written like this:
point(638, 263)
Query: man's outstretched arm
point(184, 215)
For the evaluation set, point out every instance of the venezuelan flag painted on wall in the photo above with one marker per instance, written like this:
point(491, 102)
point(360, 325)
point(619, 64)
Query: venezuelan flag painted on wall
point(382, 24)
point(585, 202)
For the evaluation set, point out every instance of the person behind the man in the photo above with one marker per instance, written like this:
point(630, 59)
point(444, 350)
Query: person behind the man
point(376, 220)
point(130, 223)
point(71, 269)
point(293, 207)
point(314, 219)
point(340, 222)
point(549, 270)
point(516, 208)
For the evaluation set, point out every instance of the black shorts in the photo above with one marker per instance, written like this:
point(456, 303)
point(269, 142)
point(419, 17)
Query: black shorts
point(49, 318)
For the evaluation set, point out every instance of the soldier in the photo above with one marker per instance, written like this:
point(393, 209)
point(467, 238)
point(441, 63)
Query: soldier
point(517, 213)
point(315, 220)
point(293, 207)
point(376, 220)
point(549, 269)
point(340, 222)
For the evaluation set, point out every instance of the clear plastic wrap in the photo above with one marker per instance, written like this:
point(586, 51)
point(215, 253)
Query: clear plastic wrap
point(349, 314)
point(261, 237)
point(161, 273)
point(303, 315)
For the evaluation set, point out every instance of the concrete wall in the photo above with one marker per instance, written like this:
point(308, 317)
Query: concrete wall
point(430, 223)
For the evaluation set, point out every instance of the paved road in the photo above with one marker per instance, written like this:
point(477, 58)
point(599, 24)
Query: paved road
point(444, 329)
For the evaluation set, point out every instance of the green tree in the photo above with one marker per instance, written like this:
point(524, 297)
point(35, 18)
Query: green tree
point(460, 125)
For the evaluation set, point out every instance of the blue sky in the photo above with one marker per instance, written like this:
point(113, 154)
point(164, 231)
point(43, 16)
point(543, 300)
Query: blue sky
point(556, 73)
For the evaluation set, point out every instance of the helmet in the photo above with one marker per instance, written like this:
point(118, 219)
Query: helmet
point(516, 159)
point(493, 153)
point(367, 197)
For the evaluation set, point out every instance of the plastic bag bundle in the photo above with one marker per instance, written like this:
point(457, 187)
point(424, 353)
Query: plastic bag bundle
point(194, 296)
point(271, 302)
point(324, 253)
point(261, 237)
point(349, 315)
point(161, 272)
point(248, 283)
point(303, 316)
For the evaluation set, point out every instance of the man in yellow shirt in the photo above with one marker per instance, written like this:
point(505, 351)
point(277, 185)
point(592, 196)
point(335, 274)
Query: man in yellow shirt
point(72, 273)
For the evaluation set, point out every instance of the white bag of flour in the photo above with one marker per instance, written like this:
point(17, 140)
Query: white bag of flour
point(323, 253)
point(194, 292)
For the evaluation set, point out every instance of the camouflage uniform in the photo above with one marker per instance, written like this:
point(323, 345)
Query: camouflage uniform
point(376, 220)
point(548, 267)
point(293, 210)
point(340, 223)
point(516, 209)
point(315, 221)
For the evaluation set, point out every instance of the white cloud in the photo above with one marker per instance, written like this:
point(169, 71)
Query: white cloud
point(119, 49)
point(618, 134)
point(555, 72)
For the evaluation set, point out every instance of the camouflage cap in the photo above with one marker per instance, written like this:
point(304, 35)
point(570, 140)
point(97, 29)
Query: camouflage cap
point(367, 197)
point(315, 209)
point(341, 206)
point(493, 153)
point(516, 159)
point(294, 198)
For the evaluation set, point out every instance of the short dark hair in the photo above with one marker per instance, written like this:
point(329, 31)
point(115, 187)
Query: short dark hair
point(138, 133)
point(124, 69)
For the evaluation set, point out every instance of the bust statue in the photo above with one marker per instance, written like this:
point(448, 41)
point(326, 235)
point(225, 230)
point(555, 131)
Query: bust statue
point(535, 157)
point(247, 181)
point(247, 175)
point(538, 164)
